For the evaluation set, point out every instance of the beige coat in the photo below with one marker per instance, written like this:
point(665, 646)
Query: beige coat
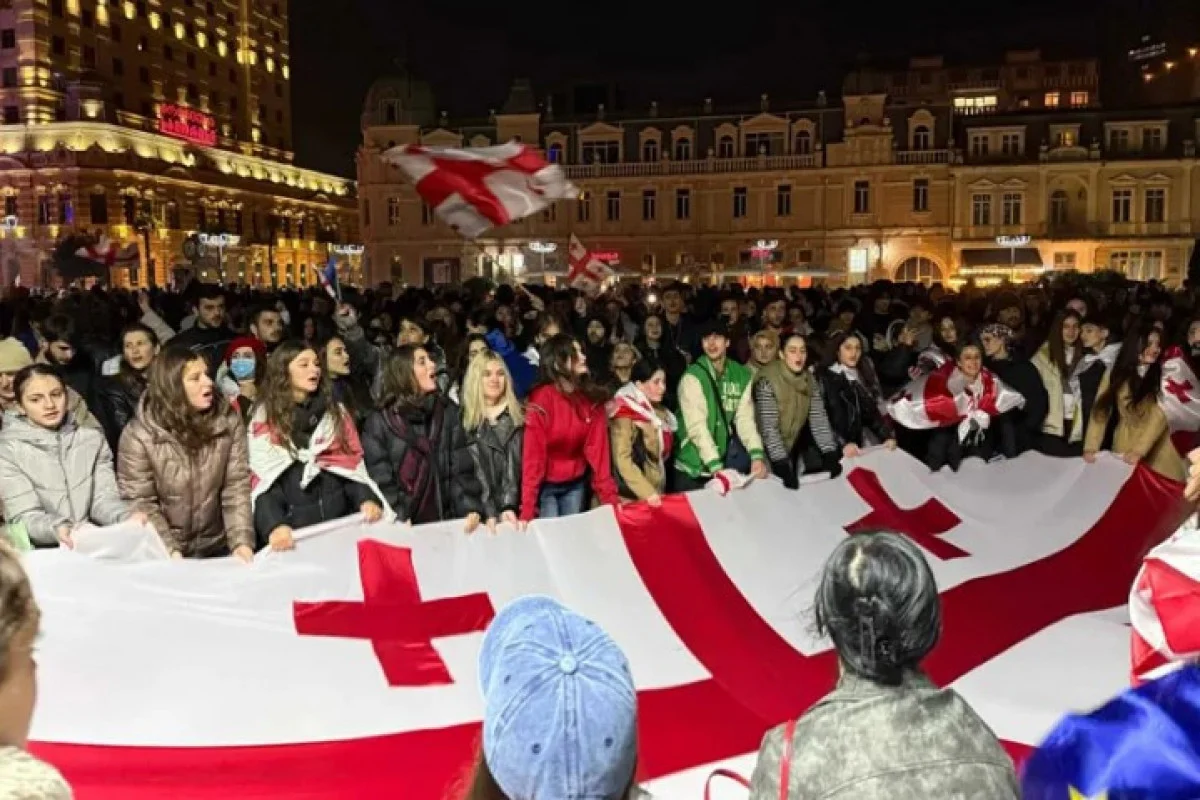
point(1141, 429)
point(1053, 381)
point(198, 502)
point(651, 479)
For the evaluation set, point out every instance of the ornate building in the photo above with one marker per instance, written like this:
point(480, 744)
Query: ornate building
point(879, 186)
point(156, 120)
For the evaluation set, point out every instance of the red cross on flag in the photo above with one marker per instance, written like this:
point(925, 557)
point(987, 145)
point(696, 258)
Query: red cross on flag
point(110, 253)
point(588, 272)
point(473, 189)
point(1180, 400)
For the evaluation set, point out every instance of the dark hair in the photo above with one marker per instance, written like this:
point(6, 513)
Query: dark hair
point(1056, 345)
point(557, 355)
point(125, 373)
point(949, 348)
point(257, 313)
point(58, 328)
point(866, 370)
point(399, 384)
point(275, 392)
point(167, 403)
point(26, 374)
point(878, 601)
point(644, 369)
point(209, 291)
point(1125, 372)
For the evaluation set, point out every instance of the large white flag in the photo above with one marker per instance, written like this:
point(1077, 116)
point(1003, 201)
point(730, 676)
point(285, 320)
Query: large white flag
point(473, 189)
point(347, 667)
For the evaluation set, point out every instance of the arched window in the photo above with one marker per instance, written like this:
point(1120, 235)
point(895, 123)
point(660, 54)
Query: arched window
point(650, 150)
point(683, 149)
point(1058, 207)
point(803, 143)
point(918, 269)
point(725, 147)
point(554, 154)
point(922, 138)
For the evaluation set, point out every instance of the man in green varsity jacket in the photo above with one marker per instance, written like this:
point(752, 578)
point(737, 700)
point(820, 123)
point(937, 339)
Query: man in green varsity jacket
point(705, 439)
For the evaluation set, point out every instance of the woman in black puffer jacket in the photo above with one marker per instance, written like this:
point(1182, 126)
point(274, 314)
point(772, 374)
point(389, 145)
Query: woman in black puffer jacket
point(415, 447)
point(495, 428)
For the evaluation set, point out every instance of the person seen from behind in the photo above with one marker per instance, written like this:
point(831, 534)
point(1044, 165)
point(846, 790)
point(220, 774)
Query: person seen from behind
point(886, 732)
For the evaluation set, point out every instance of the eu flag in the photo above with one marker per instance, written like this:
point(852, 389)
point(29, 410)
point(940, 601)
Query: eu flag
point(329, 279)
point(1143, 744)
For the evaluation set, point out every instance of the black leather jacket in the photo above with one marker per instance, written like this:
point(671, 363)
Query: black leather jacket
point(117, 399)
point(496, 451)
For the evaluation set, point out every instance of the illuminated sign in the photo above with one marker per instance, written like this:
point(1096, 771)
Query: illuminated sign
point(764, 248)
point(543, 247)
point(607, 256)
point(1013, 241)
point(347, 249)
point(220, 240)
point(186, 123)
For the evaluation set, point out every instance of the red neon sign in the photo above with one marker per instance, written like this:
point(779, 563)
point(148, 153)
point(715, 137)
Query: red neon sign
point(186, 123)
point(607, 256)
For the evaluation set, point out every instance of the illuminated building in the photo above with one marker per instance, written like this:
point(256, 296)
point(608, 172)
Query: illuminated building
point(154, 120)
point(866, 188)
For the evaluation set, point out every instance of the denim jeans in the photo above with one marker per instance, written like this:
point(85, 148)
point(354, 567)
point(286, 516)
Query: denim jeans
point(561, 499)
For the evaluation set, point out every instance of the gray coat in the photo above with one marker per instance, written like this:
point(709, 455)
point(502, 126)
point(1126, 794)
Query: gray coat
point(868, 741)
point(52, 478)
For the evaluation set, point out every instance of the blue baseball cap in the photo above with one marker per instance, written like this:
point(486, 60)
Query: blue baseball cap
point(560, 707)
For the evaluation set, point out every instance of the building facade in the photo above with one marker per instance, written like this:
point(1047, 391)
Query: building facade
point(154, 120)
point(873, 187)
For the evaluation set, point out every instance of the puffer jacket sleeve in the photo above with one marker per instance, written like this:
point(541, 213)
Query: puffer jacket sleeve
point(376, 439)
point(466, 494)
point(107, 507)
point(235, 490)
point(508, 496)
point(135, 479)
point(22, 504)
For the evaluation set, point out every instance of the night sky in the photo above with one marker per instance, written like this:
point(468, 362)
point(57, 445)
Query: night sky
point(470, 51)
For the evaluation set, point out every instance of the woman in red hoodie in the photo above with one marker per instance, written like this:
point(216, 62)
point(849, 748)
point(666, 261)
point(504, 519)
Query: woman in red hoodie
point(566, 434)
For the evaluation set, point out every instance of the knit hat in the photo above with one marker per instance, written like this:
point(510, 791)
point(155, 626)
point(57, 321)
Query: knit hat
point(253, 342)
point(14, 356)
point(560, 708)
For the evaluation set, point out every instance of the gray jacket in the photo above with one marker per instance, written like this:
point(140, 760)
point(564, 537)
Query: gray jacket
point(52, 478)
point(868, 741)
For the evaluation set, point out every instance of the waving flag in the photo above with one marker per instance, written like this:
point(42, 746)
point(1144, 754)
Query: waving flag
point(1164, 606)
point(347, 667)
point(328, 276)
point(110, 253)
point(943, 398)
point(1180, 400)
point(588, 272)
point(476, 188)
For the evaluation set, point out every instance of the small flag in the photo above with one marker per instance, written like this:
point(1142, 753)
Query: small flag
point(588, 272)
point(473, 189)
point(1180, 400)
point(328, 277)
point(110, 253)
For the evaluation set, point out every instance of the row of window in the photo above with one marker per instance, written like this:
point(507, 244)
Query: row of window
point(1154, 207)
point(139, 9)
point(1153, 139)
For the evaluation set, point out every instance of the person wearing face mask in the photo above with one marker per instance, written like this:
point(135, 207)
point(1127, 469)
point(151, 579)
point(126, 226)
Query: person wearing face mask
point(54, 475)
point(415, 447)
point(22, 777)
point(643, 433)
point(244, 361)
point(1130, 392)
point(791, 416)
point(117, 395)
point(305, 452)
point(495, 425)
point(183, 461)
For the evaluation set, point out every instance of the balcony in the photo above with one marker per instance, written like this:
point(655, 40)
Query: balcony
point(922, 156)
point(646, 169)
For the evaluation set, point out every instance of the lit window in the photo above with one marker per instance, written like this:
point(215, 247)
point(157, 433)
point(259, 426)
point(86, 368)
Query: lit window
point(155, 20)
point(201, 38)
point(858, 260)
point(180, 31)
point(130, 9)
point(1079, 99)
point(270, 64)
point(222, 48)
point(287, 73)
point(1052, 99)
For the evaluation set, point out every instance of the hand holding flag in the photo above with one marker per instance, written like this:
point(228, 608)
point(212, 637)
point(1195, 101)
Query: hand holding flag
point(329, 278)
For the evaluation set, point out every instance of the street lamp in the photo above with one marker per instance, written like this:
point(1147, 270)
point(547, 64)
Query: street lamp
point(1012, 243)
point(220, 241)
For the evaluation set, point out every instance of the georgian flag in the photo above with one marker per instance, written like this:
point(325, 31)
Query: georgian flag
point(347, 668)
point(473, 189)
point(943, 398)
point(588, 272)
point(1180, 400)
point(110, 253)
point(1164, 606)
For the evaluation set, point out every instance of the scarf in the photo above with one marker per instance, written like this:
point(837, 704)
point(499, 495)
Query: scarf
point(270, 458)
point(850, 373)
point(1107, 356)
point(793, 393)
point(975, 419)
point(631, 403)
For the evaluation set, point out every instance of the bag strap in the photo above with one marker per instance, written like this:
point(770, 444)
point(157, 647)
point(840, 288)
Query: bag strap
point(723, 773)
point(785, 765)
point(717, 398)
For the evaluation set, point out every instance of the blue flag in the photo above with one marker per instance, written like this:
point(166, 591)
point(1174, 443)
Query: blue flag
point(329, 279)
point(1143, 744)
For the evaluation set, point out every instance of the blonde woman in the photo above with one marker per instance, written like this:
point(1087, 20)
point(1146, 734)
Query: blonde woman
point(495, 428)
point(21, 775)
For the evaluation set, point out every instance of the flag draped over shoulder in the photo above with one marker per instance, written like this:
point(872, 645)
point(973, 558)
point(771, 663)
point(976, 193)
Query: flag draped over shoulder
point(944, 398)
point(1180, 400)
point(1144, 743)
point(473, 189)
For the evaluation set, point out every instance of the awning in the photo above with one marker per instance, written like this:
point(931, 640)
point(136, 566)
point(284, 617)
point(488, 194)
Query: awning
point(1002, 257)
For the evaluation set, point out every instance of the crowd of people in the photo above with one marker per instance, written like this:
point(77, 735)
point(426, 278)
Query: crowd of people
point(228, 418)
